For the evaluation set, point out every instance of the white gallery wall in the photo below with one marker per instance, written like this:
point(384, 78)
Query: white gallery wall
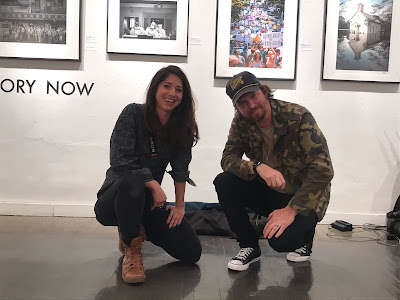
point(54, 147)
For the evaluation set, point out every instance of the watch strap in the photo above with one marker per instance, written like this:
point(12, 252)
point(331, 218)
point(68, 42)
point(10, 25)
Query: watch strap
point(255, 165)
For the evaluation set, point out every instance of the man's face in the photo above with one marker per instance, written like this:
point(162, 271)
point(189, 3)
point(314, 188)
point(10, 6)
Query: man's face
point(253, 106)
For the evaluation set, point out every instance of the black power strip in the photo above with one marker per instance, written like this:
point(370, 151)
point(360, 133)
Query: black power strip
point(342, 225)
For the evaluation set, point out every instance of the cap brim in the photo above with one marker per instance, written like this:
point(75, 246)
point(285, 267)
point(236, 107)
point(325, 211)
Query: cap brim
point(248, 89)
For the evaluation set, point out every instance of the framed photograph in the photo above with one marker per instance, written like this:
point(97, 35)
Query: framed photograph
point(259, 36)
point(361, 43)
point(148, 27)
point(40, 29)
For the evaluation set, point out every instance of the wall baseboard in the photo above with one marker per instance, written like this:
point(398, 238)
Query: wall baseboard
point(355, 219)
point(86, 211)
point(47, 210)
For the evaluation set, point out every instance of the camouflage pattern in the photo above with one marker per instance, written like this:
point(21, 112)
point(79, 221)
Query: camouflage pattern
point(299, 146)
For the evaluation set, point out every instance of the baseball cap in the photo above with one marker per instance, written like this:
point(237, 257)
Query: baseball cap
point(240, 84)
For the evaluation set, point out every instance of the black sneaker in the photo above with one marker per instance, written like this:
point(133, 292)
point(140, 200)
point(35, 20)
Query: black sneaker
point(300, 254)
point(244, 258)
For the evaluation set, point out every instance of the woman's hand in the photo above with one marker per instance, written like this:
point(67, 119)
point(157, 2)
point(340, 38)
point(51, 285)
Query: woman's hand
point(176, 214)
point(157, 192)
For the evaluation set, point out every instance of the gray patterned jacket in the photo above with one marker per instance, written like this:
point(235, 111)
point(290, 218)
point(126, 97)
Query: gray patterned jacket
point(131, 151)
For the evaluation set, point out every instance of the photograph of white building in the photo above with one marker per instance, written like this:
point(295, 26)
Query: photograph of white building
point(364, 35)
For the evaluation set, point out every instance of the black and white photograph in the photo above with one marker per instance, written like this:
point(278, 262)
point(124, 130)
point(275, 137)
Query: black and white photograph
point(47, 29)
point(148, 19)
point(360, 41)
point(364, 35)
point(33, 22)
point(260, 35)
point(148, 27)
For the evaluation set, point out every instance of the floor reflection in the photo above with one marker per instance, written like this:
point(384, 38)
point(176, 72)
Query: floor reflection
point(393, 266)
point(247, 284)
point(79, 259)
point(170, 281)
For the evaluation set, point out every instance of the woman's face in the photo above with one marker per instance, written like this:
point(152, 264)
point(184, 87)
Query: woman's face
point(169, 94)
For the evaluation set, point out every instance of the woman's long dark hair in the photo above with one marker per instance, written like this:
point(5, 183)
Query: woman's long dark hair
point(181, 128)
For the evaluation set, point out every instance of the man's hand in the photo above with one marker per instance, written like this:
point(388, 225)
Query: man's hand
point(157, 192)
point(272, 177)
point(278, 221)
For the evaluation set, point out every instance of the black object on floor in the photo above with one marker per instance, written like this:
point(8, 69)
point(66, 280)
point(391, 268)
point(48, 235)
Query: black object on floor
point(342, 225)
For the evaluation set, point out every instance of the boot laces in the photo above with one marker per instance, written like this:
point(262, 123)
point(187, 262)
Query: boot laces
point(134, 258)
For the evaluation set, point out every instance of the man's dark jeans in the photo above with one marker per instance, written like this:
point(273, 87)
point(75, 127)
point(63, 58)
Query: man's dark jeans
point(235, 194)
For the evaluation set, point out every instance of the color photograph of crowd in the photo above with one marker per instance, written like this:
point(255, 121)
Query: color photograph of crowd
point(36, 33)
point(256, 34)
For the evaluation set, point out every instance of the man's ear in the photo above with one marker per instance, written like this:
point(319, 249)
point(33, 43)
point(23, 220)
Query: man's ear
point(237, 111)
point(265, 93)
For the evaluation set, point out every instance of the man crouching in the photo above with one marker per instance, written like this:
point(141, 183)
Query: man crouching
point(287, 179)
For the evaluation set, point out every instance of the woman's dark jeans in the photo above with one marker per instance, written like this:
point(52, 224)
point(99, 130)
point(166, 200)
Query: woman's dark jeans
point(127, 202)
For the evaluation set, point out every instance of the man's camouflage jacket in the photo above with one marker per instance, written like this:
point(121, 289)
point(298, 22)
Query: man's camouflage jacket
point(299, 146)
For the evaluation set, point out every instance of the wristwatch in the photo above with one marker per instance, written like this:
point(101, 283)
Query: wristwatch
point(255, 165)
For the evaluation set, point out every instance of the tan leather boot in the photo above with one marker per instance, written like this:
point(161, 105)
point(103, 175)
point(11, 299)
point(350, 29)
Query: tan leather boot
point(132, 264)
point(121, 244)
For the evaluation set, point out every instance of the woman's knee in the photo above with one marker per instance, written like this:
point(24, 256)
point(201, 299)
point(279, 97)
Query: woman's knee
point(105, 218)
point(186, 245)
point(192, 254)
point(102, 220)
point(132, 184)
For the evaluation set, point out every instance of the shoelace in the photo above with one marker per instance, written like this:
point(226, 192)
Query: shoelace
point(134, 261)
point(258, 219)
point(244, 253)
point(302, 250)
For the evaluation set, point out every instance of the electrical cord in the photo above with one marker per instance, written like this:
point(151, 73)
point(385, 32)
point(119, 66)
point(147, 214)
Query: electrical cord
point(379, 231)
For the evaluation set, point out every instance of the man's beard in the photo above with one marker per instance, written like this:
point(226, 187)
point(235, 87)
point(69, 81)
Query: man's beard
point(260, 116)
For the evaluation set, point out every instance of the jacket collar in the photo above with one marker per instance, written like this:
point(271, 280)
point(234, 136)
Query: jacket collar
point(278, 120)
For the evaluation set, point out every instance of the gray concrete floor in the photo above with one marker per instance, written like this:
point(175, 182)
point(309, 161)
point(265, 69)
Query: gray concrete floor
point(77, 258)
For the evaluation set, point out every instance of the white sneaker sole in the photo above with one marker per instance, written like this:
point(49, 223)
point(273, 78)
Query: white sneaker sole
point(297, 258)
point(242, 267)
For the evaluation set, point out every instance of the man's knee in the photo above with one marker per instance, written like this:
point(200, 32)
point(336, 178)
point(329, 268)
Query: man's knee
point(280, 245)
point(288, 242)
point(223, 180)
